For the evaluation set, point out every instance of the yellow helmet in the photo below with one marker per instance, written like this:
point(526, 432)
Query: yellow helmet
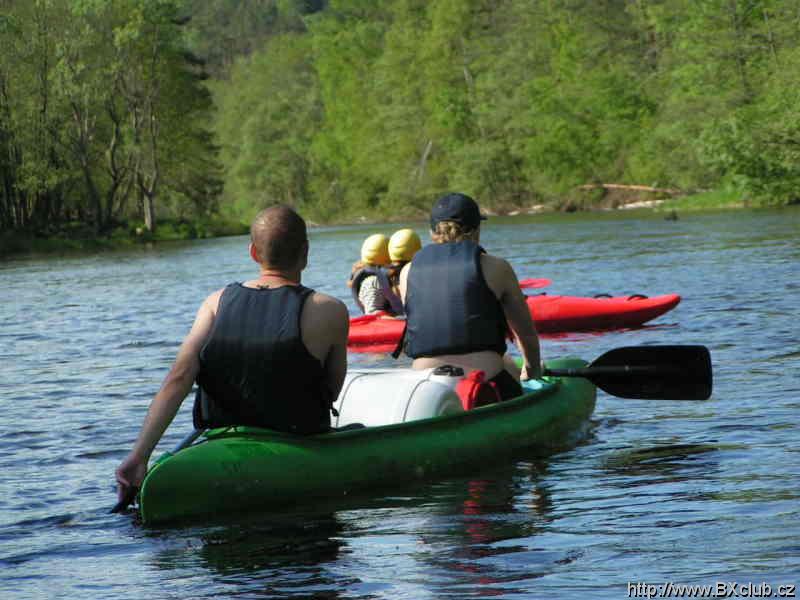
point(403, 245)
point(374, 250)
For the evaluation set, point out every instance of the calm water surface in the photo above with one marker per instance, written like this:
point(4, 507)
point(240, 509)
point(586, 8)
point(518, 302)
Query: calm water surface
point(689, 492)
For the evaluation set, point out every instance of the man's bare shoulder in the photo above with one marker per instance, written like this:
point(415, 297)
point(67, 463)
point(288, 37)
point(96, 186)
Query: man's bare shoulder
point(212, 302)
point(323, 304)
point(325, 322)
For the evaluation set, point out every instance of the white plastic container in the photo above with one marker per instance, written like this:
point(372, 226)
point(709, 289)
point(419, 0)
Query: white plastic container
point(386, 396)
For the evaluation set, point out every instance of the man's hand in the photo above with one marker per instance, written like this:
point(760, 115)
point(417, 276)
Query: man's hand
point(167, 401)
point(130, 474)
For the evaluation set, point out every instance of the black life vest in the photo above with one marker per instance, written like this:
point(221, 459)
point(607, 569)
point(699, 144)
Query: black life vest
point(450, 309)
point(255, 369)
point(393, 300)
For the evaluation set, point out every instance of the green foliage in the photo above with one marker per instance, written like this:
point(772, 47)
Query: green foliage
point(513, 101)
point(759, 144)
point(725, 197)
point(349, 108)
point(101, 116)
point(269, 112)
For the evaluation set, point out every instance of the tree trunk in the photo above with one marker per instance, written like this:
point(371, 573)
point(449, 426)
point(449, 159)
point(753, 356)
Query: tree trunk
point(94, 198)
point(740, 58)
point(6, 220)
point(118, 173)
point(149, 212)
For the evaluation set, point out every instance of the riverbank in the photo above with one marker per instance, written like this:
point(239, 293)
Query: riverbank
point(79, 237)
point(584, 202)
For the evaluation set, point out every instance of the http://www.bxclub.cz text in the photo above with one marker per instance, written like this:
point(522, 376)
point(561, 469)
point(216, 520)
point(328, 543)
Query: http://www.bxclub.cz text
point(720, 589)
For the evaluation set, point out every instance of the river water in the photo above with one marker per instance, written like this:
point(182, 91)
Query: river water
point(658, 491)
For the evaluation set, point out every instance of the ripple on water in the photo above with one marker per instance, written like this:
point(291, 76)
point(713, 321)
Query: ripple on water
point(656, 491)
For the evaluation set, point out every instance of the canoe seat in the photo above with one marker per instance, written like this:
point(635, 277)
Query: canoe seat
point(383, 397)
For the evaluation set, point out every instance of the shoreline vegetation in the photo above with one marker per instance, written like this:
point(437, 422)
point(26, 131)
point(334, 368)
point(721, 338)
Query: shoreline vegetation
point(75, 237)
point(131, 121)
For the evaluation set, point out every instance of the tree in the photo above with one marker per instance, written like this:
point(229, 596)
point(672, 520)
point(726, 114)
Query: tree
point(99, 99)
point(268, 114)
point(31, 113)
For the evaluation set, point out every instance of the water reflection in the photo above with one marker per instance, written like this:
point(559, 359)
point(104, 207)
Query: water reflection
point(490, 547)
point(270, 556)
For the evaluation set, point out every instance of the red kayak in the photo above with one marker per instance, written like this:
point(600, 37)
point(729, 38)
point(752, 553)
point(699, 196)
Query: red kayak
point(552, 314)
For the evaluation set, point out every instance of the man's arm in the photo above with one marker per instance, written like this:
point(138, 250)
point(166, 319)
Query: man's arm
point(325, 324)
point(504, 282)
point(336, 360)
point(177, 384)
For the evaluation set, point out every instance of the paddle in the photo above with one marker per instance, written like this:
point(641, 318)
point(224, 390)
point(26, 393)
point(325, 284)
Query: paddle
point(130, 493)
point(527, 284)
point(649, 372)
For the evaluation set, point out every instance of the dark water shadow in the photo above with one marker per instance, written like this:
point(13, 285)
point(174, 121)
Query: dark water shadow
point(280, 555)
point(671, 462)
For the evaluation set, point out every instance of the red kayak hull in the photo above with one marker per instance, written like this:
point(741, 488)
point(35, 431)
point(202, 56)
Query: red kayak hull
point(552, 314)
point(558, 314)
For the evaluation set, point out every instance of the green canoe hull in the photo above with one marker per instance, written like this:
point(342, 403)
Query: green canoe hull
point(246, 469)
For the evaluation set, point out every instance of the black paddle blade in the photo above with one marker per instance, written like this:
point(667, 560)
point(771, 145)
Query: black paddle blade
point(655, 372)
point(650, 372)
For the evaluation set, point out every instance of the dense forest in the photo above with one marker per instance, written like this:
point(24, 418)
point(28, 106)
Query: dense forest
point(130, 113)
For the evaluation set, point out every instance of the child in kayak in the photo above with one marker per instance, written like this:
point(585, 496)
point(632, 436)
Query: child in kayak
point(369, 281)
point(403, 245)
point(374, 279)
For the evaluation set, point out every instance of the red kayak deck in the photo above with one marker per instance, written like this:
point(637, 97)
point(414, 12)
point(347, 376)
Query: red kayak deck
point(552, 314)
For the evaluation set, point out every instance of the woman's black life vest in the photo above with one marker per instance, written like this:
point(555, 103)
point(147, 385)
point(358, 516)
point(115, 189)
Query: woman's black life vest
point(254, 367)
point(395, 304)
point(450, 309)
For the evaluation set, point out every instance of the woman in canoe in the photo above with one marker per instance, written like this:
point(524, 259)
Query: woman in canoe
point(375, 278)
point(464, 321)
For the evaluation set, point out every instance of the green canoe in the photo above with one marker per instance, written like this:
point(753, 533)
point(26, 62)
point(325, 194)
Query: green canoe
point(242, 469)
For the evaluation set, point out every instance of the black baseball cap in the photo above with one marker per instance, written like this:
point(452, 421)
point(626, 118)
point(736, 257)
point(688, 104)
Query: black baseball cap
point(459, 208)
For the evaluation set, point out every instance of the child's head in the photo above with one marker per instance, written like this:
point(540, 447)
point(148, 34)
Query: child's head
point(375, 250)
point(403, 245)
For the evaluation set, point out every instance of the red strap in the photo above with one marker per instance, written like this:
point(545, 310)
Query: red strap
point(475, 391)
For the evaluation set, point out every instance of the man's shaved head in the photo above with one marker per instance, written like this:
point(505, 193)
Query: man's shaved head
point(279, 236)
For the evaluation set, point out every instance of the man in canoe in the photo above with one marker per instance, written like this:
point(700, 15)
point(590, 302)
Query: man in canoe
point(460, 302)
point(268, 352)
